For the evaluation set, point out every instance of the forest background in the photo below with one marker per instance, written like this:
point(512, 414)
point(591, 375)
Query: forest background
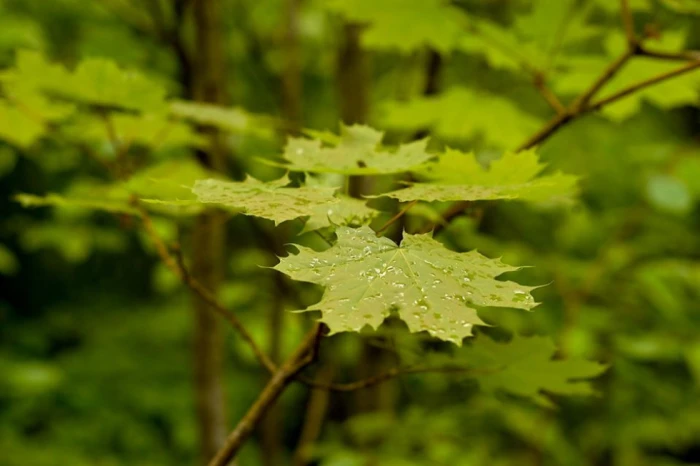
point(140, 318)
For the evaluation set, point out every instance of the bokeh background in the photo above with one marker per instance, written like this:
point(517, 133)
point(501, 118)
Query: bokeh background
point(96, 336)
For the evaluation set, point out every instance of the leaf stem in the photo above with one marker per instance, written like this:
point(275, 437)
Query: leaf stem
point(393, 219)
point(177, 267)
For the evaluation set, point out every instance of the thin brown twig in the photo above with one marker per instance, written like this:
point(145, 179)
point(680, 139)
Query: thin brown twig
point(549, 96)
point(178, 269)
point(554, 124)
point(383, 377)
point(628, 24)
point(302, 357)
point(582, 104)
point(393, 219)
point(684, 55)
point(643, 84)
point(604, 78)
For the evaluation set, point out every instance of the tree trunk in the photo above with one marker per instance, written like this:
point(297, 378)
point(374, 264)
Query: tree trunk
point(209, 236)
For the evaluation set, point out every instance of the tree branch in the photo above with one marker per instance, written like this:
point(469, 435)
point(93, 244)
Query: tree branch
point(643, 84)
point(393, 219)
point(628, 23)
point(304, 355)
point(549, 96)
point(685, 55)
point(177, 268)
point(602, 80)
point(383, 377)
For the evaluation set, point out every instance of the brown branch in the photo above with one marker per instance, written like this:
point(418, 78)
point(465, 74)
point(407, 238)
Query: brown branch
point(685, 55)
point(383, 377)
point(195, 286)
point(549, 96)
point(642, 84)
point(602, 80)
point(393, 219)
point(304, 355)
point(547, 130)
point(628, 23)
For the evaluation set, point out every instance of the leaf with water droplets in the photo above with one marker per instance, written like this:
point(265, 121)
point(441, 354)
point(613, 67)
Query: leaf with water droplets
point(434, 289)
point(270, 200)
point(357, 152)
point(525, 367)
point(347, 211)
point(457, 176)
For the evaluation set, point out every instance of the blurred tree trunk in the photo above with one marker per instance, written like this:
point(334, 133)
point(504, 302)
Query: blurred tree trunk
point(209, 235)
point(292, 95)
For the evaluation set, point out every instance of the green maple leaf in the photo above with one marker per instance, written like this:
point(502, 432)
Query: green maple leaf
point(57, 200)
point(525, 367)
point(456, 176)
point(18, 128)
point(347, 211)
point(270, 200)
point(94, 81)
point(535, 39)
point(230, 119)
point(460, 113)
point(432, 288)
point(155, 131)
point(357, 152)
point(431, 23)
point(164, 188)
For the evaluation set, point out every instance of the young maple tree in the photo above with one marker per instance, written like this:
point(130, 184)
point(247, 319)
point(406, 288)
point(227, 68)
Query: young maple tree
point(377, 271)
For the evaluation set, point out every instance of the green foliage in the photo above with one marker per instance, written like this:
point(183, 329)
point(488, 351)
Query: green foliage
point(235, 120)
point(55, 200)
point(94, 121)
point(348, 211)
point(356, 152)
point(95, 82)
point(271, 200)
point(432, 23)
point(456, 176)
point(525, 367)
point(457, 114)
point(8, 261)
point(432, 288)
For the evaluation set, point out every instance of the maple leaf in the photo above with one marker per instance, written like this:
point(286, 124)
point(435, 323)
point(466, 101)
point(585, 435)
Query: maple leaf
point(357, 152)
point(431, 23)
point(456, 176)
point(460, 113)
point(17, 128)
point(94, 81)
point(347, 211)
point(432, 288)
point(526, 367)
point(231, 119)
point(270, 200)
point(56, 200)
